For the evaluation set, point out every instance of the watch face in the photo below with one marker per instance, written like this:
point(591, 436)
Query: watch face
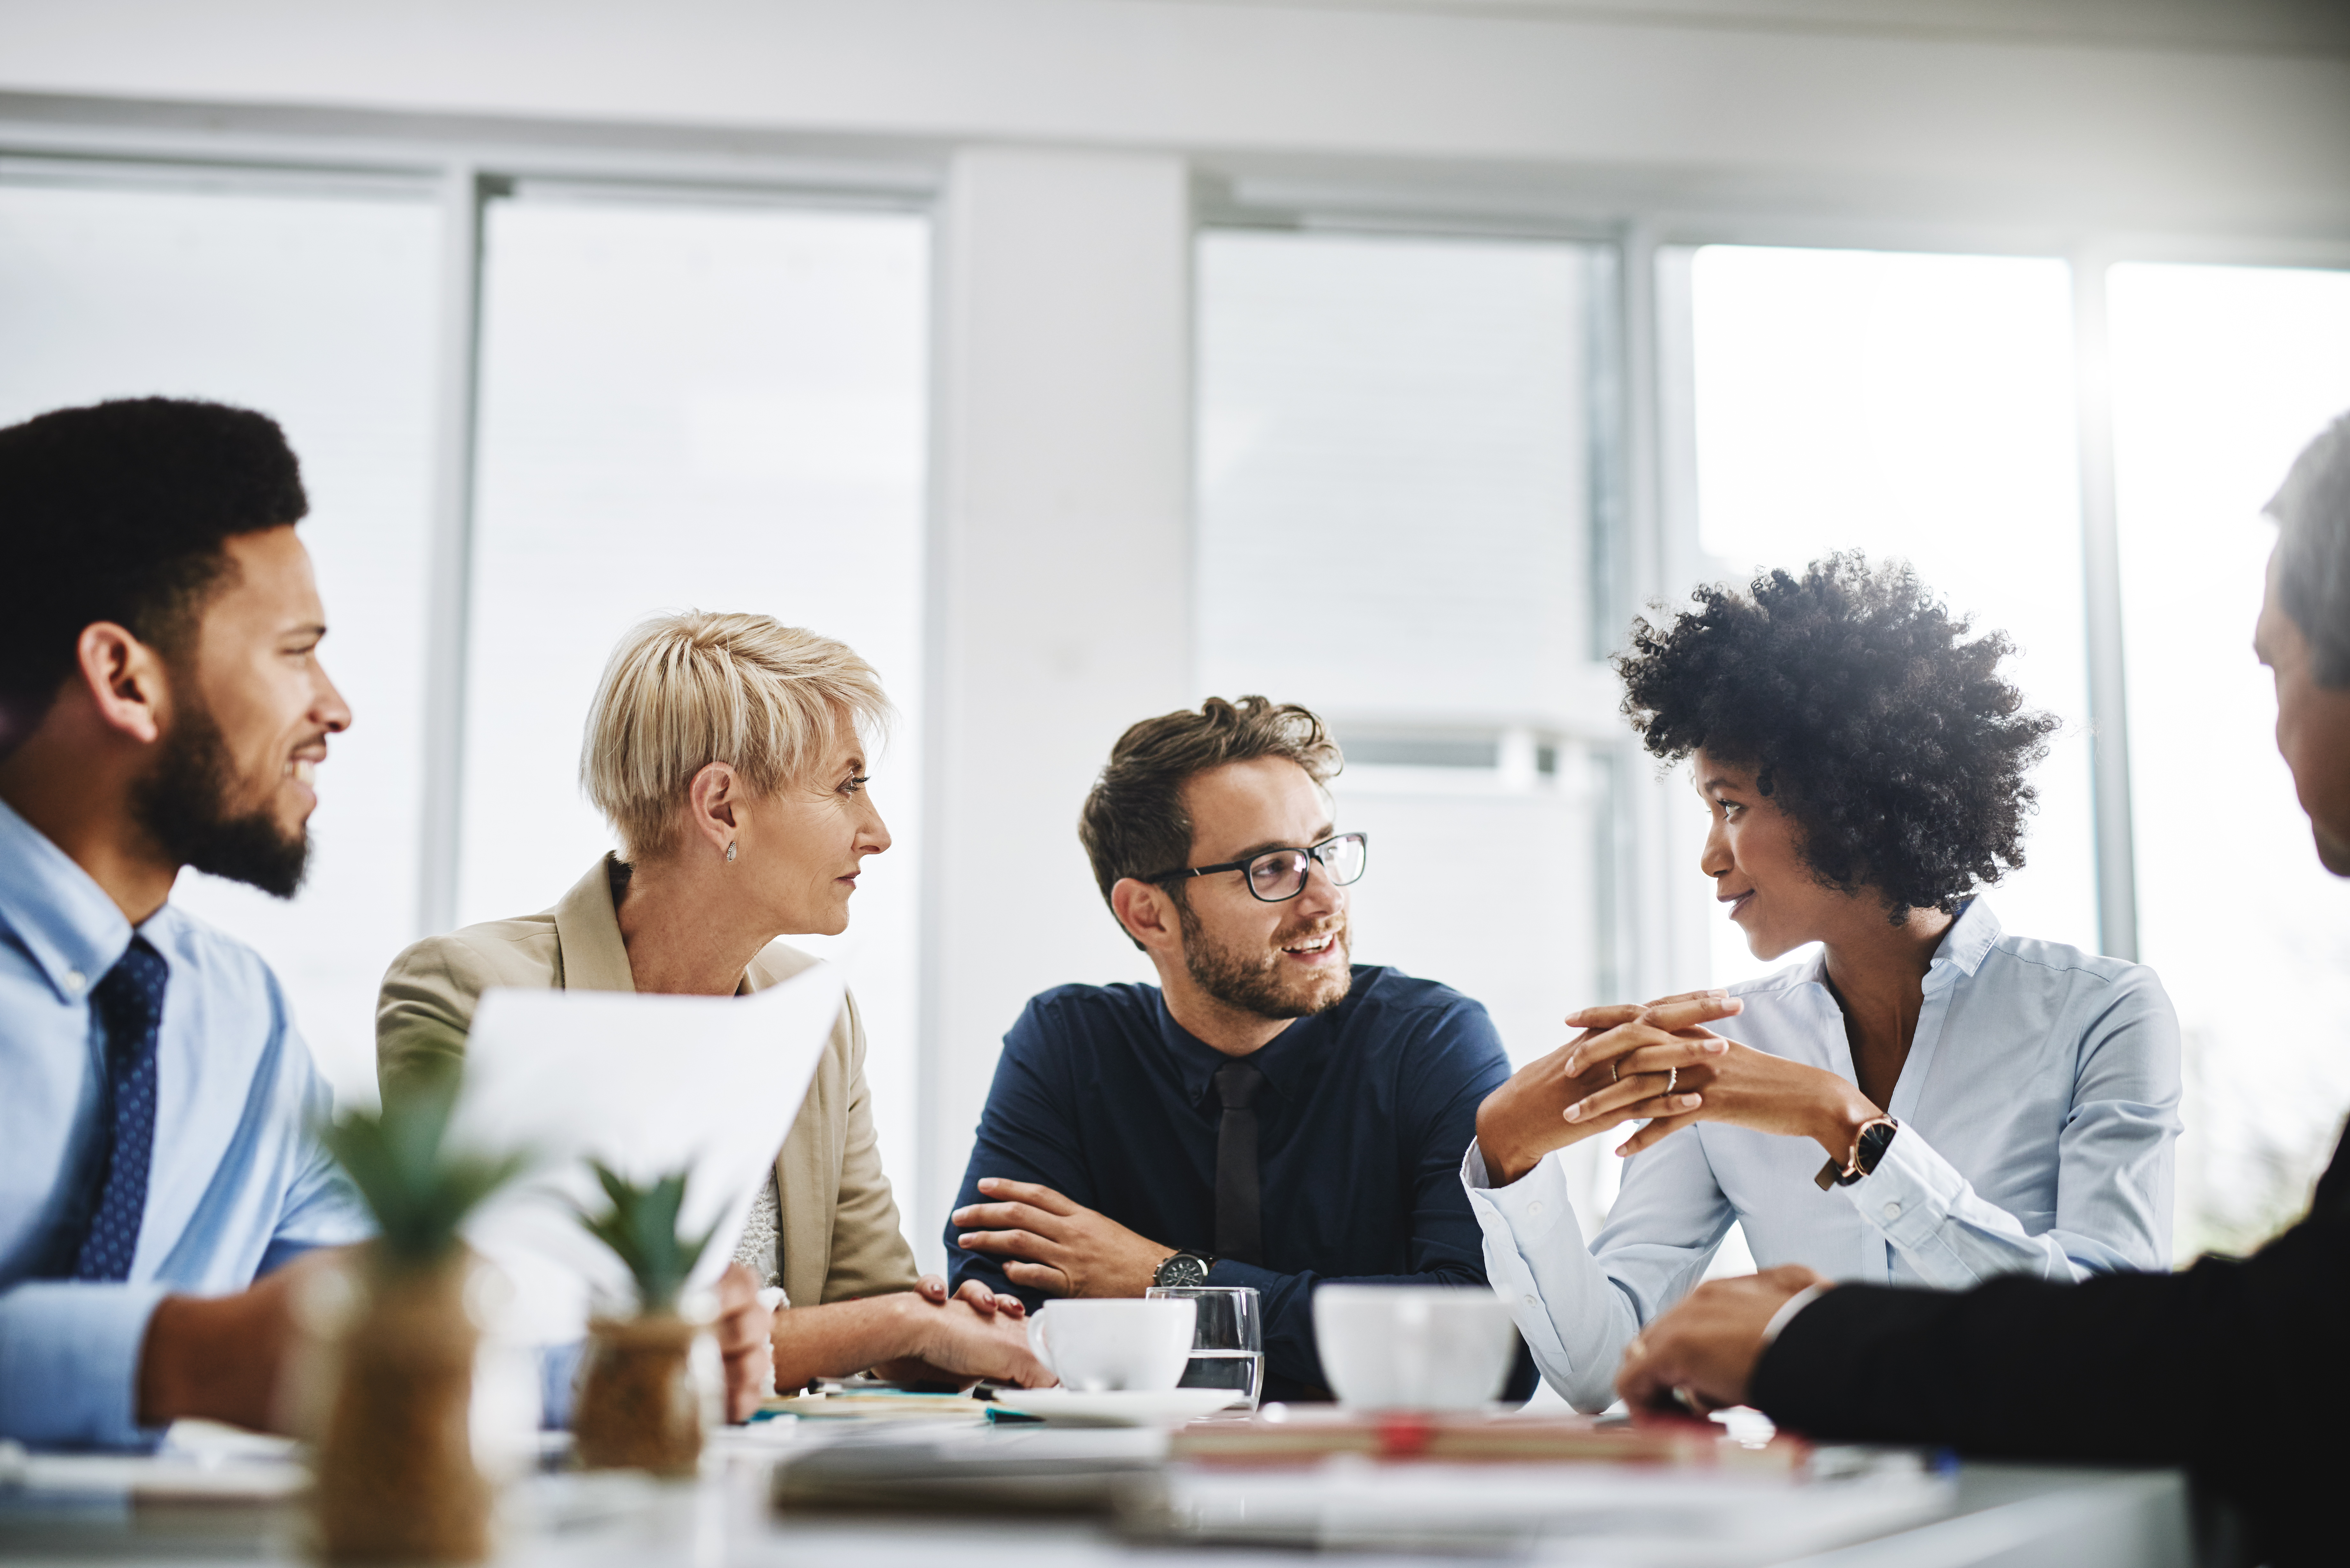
point(1183, 1269)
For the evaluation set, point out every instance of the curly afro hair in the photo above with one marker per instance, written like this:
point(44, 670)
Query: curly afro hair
point(1866, 713)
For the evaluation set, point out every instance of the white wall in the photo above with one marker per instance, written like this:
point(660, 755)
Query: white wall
point(1061, 584)
point(1716, 113)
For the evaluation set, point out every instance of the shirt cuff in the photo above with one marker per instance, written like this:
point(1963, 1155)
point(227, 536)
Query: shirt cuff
point(1232, 1272)
point(1787, 1310)
point(1907, 1197)
point(69, 1364)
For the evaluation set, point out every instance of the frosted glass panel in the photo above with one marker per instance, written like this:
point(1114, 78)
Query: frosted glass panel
point(1919, 406)
point(2220, 375)
point(1393, 495)
point(318, 311)
point(1392, 492)
point(693, 408)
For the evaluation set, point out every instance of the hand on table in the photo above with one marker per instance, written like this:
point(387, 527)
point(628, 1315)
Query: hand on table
point(987, 1302)
point(743, 1329)
point(1700, 1356)
point(956, 1342)
point(1618, 1067)
point(1053, 1245)
point(224, 1358)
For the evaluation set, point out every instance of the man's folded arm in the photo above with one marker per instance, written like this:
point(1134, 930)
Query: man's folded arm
point(1024, 1135)
point(69, 1363)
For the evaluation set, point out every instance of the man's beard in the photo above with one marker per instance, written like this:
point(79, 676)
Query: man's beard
point(1254, 981)
point(182, 804)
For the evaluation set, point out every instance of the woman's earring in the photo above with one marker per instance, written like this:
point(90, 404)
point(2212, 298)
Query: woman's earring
point(730, 852)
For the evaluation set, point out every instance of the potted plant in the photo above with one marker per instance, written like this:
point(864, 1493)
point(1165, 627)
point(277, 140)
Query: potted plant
point(396, 1480)
point(639, 1406)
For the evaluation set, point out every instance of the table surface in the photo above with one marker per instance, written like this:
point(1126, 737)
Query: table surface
point(1877, 1509)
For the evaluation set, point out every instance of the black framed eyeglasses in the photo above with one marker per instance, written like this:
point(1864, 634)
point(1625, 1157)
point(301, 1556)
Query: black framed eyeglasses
point(1278, 875)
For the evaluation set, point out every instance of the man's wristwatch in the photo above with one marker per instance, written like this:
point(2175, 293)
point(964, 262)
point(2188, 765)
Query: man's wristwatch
point(1183, 1269)
point(1868, 1148)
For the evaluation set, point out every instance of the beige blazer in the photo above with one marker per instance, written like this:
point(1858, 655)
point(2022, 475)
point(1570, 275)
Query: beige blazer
point(838, 1224)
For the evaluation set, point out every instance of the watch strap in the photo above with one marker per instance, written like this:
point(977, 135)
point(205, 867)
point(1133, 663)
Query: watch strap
point(1868, 1146)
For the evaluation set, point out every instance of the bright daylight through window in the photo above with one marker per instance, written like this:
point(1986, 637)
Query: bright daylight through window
point(1917, 407)
point(1395, 482)
point(701, 408)
point(315, 306)
point(2220, 375)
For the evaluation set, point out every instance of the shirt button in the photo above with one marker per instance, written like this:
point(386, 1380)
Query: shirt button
point(75, 980)
point(1530, 1300)
point(1893, 1211)
point(1536, 1206)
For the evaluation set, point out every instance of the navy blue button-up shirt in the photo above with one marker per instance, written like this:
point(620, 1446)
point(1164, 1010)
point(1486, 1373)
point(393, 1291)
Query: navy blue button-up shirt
point(1101, 1095)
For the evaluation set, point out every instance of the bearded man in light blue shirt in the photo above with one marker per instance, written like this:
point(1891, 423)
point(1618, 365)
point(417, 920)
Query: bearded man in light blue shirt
point(161, 705)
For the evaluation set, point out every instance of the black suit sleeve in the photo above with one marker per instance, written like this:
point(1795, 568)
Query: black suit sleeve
point(2235, 1368)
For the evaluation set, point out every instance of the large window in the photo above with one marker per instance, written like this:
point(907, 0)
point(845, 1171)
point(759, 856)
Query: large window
point(315, 306)
point(1398, 469)
point(679, 405)
point(2220, 375)
point(686, 407)
point(1917, 408)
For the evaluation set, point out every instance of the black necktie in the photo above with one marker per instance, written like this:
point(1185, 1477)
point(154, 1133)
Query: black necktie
point(1239, 1208)
point(130, 1006)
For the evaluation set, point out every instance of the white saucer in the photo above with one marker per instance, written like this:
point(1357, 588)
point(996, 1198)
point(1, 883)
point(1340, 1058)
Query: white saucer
point(1116, 1407)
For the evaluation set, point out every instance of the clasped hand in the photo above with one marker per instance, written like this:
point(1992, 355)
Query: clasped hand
point(1052, 1244)
point(1658, 1061)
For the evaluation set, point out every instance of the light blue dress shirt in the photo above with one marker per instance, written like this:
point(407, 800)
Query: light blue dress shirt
point(238, 1183)
point(2039, 1111)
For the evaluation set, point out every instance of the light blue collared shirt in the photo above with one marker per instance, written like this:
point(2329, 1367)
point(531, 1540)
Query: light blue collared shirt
point(238, 1184)
point(2039, 1111)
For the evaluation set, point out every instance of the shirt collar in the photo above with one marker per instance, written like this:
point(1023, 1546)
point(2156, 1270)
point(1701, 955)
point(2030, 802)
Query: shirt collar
point(1285, 1060)
point(63, 917)
point(1966, 944)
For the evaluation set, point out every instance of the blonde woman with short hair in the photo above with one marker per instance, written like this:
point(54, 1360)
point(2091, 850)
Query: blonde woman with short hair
point(729, 755)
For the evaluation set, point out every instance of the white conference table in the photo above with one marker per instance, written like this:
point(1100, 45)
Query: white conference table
point(1886, 1510)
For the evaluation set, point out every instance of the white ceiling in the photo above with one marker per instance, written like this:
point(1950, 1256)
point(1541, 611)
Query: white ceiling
point(2262, 26)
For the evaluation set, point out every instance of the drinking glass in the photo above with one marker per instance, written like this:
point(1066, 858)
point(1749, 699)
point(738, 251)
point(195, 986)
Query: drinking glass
point(1227, 1341)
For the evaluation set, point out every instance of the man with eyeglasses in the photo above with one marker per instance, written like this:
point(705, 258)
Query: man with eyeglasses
point(1268, 1115)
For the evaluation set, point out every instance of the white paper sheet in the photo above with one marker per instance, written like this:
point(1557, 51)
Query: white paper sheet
point(648, 1085)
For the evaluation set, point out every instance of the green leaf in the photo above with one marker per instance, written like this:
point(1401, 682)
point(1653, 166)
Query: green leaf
point(419, 1195)
point(640, 1227)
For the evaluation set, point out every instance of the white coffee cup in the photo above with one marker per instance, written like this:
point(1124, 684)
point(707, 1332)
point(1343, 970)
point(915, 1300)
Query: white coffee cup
point(1414, 1348)
point(1101, 1345)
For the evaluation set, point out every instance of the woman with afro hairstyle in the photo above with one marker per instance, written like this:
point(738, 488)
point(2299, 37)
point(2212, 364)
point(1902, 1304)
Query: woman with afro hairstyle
point(1926, 1101)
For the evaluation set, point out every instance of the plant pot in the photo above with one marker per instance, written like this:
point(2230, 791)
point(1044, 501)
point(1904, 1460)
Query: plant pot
point(396, 1480)
point(639, 1406)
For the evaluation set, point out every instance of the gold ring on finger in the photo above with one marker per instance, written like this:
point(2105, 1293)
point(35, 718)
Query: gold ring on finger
point(1614, 1073)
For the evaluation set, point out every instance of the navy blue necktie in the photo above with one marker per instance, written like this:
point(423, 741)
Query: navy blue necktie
point(130, 1006)
point(1240, 1208)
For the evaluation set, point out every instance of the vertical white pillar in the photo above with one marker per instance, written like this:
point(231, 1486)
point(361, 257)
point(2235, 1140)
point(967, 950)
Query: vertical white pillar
point(1060, 594)
point(2102, 582)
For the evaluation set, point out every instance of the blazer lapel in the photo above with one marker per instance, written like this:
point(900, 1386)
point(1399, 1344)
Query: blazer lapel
point(588, 934)
point(808, 1167)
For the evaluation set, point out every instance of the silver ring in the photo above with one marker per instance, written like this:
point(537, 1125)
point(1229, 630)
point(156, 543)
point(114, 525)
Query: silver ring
point(1614, 1073)
point(1672, 1077)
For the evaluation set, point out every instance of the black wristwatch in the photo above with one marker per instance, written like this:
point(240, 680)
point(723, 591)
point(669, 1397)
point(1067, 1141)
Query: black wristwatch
point(1183, 1269)
point(1866, 1150)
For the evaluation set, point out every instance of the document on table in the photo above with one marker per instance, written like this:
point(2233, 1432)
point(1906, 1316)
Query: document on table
point(648, 1085)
